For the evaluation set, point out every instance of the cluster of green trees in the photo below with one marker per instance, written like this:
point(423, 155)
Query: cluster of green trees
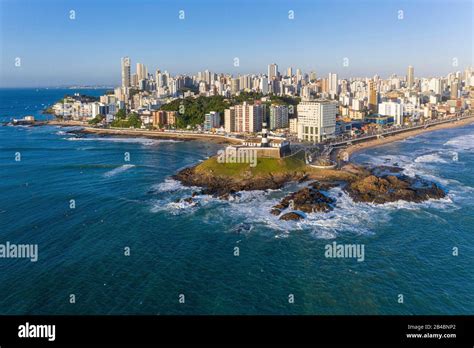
point(123, 120)
point(96, 120)
point(191, 111)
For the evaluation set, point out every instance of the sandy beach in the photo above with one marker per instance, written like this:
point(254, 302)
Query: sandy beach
point(350, 150)
point(218, 139)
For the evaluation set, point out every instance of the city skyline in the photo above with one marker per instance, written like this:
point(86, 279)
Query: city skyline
point(90, 54)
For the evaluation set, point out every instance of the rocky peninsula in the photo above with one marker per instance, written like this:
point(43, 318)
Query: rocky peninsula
point(376, 185)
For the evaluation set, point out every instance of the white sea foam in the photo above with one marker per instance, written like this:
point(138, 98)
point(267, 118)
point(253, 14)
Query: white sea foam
point(170, 205)
point(430, 158)
point(118, 170)
point(171, 185)
point(143, 141)
point(462, 142)
point(253, 208)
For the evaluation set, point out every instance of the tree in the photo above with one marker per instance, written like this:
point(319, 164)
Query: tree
point(134, 120)
point(121, 114)
point(96, 120)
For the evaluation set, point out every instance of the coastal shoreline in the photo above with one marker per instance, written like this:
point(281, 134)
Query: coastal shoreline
point(355, 148)
point(220, 139)
point(217, 139)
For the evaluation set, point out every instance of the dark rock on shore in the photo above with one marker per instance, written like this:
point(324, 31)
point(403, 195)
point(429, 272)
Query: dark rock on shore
point(381, 184)
point(390, 188)
point(291, 216)
point(308, 200)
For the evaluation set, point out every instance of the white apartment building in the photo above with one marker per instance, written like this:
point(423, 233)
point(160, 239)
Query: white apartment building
point(244, 118)
point(392, 109)
point(316, 120)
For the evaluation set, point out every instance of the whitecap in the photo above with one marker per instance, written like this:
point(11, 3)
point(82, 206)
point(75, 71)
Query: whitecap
point(430, 158)
point(118, 170)
point(171, 185)
point(463, 142)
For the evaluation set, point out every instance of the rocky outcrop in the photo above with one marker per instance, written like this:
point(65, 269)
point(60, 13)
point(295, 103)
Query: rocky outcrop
point(225, 186)
point(391, 188)
point(291, 216)
point(308, 200)
point(379, 185)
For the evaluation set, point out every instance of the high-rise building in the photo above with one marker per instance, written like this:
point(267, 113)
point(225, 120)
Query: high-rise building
point(235, 85)
point(372, 96)
point(264, 85)
point(410, 76)
point(126, 72)
point(246, 118)
point(141, 72)
point(229, 120)
point(316, 120)
point(272, 71)
point(392, 109)
point(454, 89)
point(312, 76)
point(278, 116)
point(299, 75)
point(212, 120)
point(332, 81)
point(289, 72)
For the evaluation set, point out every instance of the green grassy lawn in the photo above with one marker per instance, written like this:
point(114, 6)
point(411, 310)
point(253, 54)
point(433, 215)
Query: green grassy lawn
point(264, 166)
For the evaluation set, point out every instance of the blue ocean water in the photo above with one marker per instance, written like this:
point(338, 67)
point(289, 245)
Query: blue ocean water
point(178, 249)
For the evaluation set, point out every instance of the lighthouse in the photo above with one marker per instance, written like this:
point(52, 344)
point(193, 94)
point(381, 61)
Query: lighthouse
point(264, 135)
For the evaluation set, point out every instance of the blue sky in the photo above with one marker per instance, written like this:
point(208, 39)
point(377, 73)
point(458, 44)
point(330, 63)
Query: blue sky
point(56, 50)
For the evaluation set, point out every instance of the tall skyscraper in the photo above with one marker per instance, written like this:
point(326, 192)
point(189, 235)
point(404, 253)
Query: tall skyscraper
point(229, 119)
point(410, 76)
point(264, 85)
point(272, 71)
point(126, 72)
point(454, 89)
point(299, 75)
point(289, 72)
point(372, 96)
point(141, 71)
point(332, 81)
point(235, 85)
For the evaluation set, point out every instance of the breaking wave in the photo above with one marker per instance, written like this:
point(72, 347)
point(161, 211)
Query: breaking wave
point(118, 170)
point(430, 158)
point(463, 142)
point(171, 185)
